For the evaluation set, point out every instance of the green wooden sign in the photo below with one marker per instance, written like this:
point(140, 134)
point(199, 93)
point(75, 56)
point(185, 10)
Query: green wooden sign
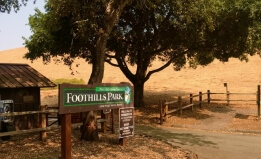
point(81, 98)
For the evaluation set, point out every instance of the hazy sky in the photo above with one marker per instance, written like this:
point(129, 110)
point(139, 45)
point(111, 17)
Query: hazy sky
point(14, 26)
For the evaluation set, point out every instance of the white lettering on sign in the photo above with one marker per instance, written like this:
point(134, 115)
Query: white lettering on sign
point(112, 96)
point(74, 98)
point(126, 114)
point(126, 111)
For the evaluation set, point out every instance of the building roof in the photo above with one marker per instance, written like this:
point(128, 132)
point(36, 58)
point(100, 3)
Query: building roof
point(21, 75)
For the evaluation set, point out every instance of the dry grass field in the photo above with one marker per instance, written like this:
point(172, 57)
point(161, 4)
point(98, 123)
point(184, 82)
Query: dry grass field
point(166, 85)
point(240, 76)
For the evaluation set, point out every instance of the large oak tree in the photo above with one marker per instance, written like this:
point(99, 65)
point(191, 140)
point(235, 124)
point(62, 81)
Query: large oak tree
point(179, 32)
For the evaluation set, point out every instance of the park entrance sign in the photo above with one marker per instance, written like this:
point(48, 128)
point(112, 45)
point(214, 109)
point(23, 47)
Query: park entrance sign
point(82, 98)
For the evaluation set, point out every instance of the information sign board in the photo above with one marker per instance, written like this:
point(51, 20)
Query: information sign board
point(126, 118)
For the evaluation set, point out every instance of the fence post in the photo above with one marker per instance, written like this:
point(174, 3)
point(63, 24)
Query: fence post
point(200, 100)
point(208, 96)
point(180, 104)
point(258, 101)
point(225, 85)
point(191, 100)
point(46, 115)
point(166, 109)
point(160, 106)
point(43, 124)
point(227, 98)
point(112, 122)
point(103, 123)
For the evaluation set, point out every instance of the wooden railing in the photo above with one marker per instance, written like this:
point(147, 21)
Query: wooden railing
point(42, 122)
point(45, 126)
point(181, 102)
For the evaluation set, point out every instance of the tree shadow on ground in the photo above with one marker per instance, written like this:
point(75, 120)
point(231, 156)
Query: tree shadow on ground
point(203, 112)
point(218, 108)
point(241, 116)
point(29, 146)
point(153, 97)
point(174, 137)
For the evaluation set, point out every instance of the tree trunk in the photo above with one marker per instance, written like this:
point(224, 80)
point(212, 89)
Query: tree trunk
point(89, 128)
point(111, 16)
point(138, 93)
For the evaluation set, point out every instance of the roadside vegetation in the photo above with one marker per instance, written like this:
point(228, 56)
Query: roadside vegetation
point(65, 81)
point(69, 81)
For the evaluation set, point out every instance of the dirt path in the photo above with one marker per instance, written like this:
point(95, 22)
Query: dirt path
point(225, 118)
point(212, 117)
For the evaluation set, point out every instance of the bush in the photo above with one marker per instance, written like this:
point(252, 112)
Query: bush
point(69, 81)
point(65, 81)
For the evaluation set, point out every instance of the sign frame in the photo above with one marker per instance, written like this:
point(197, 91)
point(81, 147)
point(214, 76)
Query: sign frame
point(103, 96)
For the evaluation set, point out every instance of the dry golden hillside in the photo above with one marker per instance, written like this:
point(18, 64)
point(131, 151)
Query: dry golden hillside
point(240, 76)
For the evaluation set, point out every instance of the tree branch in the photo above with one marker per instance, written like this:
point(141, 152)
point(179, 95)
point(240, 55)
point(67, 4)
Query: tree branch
point(124, 68)
point(110, 56)
point(159, 69)
point(111, 63)
point(80, 21)
point(159, 50)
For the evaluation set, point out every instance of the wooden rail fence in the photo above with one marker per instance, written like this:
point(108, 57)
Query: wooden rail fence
point(181, 102)
point(42, 122)
point(44, 126)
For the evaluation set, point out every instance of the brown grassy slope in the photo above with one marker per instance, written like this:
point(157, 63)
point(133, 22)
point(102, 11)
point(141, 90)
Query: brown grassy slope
point(240, 76)
point(59, 70)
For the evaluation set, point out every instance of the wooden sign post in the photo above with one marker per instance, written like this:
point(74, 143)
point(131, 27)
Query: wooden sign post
point(66, 130)
point(258, 101)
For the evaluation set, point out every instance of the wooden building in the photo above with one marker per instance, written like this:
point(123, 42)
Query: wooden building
point(21, 83)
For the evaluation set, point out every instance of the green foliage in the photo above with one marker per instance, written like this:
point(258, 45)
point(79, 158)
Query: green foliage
point(193, 31)
point(69, 81)
point(198, 31)
point(7, 5)
point(68, 29)
point(232, 35)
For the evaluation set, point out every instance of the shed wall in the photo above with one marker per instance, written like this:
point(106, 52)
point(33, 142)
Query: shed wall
point(25, 99)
